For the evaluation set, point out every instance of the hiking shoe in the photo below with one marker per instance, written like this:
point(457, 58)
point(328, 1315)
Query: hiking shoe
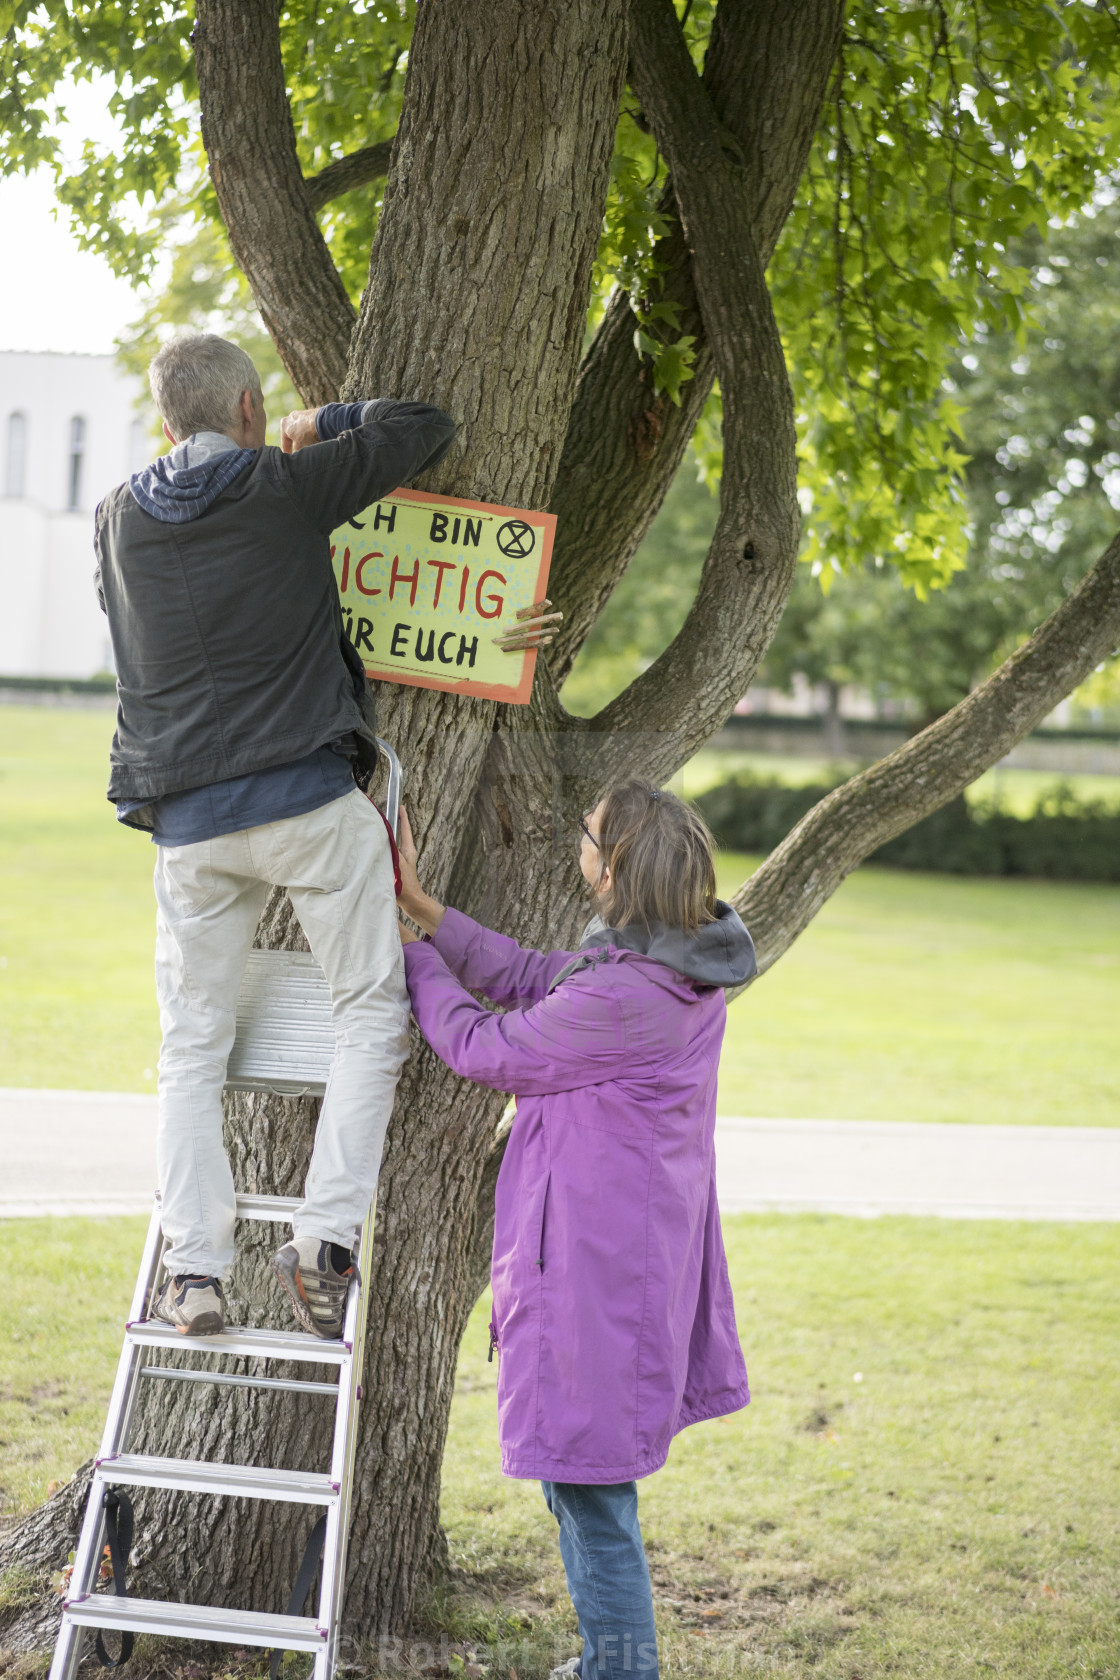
point(308, 1269)
point(196, 1306)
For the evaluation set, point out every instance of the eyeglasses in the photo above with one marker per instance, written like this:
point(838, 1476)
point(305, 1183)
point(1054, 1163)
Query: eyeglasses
point(589, 834)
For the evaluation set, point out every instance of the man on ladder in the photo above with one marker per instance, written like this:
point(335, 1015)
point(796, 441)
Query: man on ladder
point(244, 731)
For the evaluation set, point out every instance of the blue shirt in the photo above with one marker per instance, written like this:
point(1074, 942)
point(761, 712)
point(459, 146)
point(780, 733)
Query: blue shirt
point(263, 796)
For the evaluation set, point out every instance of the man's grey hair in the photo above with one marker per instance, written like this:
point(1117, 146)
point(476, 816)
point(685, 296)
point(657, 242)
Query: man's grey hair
point(197, 381)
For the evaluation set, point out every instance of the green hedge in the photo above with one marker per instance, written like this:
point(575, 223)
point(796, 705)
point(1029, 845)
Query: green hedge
point(1064, 839)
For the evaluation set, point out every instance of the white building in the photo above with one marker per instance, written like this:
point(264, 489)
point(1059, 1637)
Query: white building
point(70, 429)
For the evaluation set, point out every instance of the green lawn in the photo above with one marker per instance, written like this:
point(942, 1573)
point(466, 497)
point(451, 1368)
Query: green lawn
point(935, 997)
point(910, 997)
point(949, 1510)
point(952, 1512)
point(77, 917)
point(67, 1286)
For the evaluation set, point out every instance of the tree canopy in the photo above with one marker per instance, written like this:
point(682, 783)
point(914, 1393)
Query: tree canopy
point(1000, 121)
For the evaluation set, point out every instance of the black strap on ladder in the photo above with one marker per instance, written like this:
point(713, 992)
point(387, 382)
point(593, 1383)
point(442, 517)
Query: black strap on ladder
point(307, 1572)
point(119, 1526)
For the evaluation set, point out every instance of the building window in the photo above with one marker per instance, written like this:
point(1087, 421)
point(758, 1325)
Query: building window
point(16, 463)
point(141, 445)
point(77, 454)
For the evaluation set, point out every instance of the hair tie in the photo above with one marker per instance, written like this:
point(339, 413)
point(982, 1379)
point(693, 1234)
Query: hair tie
point(655, 793)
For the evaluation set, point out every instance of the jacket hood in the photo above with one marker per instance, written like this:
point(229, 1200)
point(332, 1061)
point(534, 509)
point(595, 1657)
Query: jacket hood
point(183, 484)
point(721, 953)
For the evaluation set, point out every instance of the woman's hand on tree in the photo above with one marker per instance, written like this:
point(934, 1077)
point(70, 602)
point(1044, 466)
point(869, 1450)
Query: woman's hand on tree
point(418, 906)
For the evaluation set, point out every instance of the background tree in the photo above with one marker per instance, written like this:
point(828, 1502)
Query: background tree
point(900, 153)
point(1039, 424)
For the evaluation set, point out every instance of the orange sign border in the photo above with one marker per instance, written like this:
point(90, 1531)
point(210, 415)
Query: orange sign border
point(522, 690)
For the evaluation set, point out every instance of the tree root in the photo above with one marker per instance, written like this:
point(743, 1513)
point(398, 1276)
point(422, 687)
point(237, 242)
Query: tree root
point(40, 1544)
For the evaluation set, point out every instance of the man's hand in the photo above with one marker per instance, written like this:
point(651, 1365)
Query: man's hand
point(298, 429)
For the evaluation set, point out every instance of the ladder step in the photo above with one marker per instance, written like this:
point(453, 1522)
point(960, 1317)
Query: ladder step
point(279, 1209)
point(255, 1344)
point(197, 1621)
point(248, 1481)
point(287, 1385)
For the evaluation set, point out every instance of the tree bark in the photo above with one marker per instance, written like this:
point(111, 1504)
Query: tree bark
point(251, 148)
point(356, 169)
point(748, 571)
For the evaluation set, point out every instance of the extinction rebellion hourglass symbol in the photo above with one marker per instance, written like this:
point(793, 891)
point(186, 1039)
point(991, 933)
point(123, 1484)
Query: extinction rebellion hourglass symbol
point(516, 539)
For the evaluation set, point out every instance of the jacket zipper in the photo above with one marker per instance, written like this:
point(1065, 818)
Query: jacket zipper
point(493, 1343)
point(544, 1212)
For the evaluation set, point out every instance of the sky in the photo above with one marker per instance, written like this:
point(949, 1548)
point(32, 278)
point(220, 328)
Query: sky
point(54, 296)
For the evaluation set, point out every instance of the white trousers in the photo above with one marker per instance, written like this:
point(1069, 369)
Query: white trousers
point(337, 867)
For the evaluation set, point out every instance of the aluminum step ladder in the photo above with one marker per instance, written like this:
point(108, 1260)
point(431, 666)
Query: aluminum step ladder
point(284, 1045)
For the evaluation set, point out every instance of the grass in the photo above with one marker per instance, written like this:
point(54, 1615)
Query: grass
point(935, 997)
point(948, 1510)
point(67, 1285)
point(925, 1483)
point(77, 917)
point(911, 997)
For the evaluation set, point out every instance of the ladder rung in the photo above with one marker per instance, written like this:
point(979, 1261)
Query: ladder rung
point(256, 1344)
point(289, 1385)
point(246, 1481)
point(198, 1621)
point(279, 1209)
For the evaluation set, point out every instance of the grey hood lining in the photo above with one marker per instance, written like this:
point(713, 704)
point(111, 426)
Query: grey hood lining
point(721, 953)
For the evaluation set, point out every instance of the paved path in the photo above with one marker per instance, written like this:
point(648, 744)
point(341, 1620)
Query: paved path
point(75, 1152)
point(868, 1167)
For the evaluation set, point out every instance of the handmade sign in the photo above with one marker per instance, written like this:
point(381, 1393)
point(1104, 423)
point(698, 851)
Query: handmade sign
point(429, 583)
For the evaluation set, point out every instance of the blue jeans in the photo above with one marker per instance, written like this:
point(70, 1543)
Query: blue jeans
point(608, 1577)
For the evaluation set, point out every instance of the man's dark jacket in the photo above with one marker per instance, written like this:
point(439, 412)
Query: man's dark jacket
point(227, 630)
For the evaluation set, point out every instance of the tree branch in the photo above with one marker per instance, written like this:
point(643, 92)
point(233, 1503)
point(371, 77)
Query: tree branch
point(766, 74)
point(357, 169)
point(251, 147)
point(784, 894)
point(749, 567)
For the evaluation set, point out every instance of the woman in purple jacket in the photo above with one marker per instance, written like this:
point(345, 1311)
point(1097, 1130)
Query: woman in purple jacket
point(612, 1307)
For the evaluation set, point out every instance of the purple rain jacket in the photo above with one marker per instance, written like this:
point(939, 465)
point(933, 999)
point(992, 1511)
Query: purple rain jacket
point(613, 1312)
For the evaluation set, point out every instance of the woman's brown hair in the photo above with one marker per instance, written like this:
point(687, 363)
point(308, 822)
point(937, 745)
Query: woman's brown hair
point(660, 855)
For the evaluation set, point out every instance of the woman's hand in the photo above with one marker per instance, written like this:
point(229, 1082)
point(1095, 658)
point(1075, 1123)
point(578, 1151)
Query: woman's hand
point(534, 627)
point(426, 912)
